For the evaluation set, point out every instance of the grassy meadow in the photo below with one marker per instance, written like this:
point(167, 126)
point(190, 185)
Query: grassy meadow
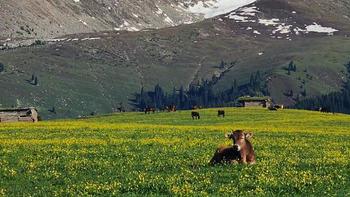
point(299, 153)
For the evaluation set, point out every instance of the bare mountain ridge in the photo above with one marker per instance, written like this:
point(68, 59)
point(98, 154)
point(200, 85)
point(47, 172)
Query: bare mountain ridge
point(52, 18)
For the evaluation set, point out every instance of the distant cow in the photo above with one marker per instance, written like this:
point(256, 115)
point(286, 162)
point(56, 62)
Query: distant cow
point(148, 110)
point(121, 109)
point(171, 108)
point(221, 113)
point(245, 147)
point(195, 115)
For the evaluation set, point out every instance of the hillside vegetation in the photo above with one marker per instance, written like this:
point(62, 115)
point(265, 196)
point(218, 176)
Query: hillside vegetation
point(298, 152)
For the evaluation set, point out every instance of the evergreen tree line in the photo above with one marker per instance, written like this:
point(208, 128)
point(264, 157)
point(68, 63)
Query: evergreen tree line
point(334, 102)
point(201, 94)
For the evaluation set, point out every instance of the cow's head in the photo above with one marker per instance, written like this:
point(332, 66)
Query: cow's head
point(239, 137)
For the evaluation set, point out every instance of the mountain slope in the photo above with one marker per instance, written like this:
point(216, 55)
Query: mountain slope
point(48, 18)
point(83, 73)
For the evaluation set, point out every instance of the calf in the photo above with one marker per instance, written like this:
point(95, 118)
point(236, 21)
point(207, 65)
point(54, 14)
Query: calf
point(221, 113)
point(244, 147)
point(195, 115)
point(226, 154)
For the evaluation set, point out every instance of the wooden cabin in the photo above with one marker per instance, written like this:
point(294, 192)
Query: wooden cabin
point(29, 114)
point(255, 101)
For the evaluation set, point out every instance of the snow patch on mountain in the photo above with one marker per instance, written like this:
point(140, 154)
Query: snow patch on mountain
point(275, 27)
point(268, 22)
point(214, 8)
point(320, 29)
point(244, 14)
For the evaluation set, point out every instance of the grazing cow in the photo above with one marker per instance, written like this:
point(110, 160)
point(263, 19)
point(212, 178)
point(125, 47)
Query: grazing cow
point(148, 110)
point(195, 115)
point(226, 154)
point(171, 108)
point(221, 113)
point(245, 148)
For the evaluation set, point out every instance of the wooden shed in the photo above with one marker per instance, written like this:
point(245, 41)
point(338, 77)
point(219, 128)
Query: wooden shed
point(255, 101)
point(29, 114)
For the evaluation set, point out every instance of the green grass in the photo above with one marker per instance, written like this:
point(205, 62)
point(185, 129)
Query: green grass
point(299, 153)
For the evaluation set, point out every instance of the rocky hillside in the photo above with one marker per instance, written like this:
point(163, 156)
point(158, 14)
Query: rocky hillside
point(48, 18)
point(94, 72)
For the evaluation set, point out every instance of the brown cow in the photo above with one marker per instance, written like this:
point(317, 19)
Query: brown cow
point(171, 108)
point(148, 110)
point(241, 140)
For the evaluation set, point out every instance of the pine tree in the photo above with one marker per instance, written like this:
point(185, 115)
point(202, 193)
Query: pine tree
point(158, 97)
point(257, 81)
point(181, 97)
point(35, 82)
point(235, 90)
point(291, 65)
point(2, 67)
point(222, 64)
point(303, 93)
point(142, 103)
point(252, 80)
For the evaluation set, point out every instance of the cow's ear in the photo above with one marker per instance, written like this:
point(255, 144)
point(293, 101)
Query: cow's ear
point(248, 135)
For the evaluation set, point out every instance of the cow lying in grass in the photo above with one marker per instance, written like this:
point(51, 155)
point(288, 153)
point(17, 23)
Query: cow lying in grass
point(241, 151)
